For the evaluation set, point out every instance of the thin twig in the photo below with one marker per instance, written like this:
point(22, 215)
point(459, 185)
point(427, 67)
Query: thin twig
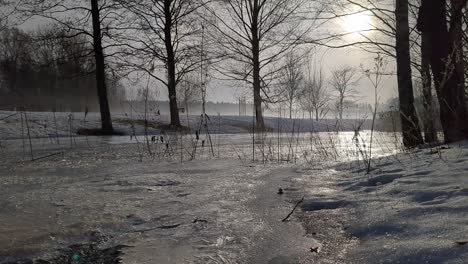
point(294, 209)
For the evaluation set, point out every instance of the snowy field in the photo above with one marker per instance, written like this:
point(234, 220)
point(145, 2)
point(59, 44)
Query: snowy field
point(72, 199)
point(49, 124)
point(38, 135)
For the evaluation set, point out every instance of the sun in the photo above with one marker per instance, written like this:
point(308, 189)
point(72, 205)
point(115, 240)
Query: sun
point(357, 22)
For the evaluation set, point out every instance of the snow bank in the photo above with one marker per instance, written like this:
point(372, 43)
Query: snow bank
point(412, 208)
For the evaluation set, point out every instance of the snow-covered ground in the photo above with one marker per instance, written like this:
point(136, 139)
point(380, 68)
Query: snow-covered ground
point(412, 208)
point(224, 208)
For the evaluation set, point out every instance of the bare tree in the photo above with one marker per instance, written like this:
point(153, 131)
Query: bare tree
point(343, 80)
point(445, 60)
point(255, 35)
point(165, 40)
point(106, 120)
point(291, 80)
point(314, 96)
point(82, 19)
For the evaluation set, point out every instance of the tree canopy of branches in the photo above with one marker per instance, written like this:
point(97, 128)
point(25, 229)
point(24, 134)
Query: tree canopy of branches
point(255, 35)
point(314, 96)
point(4, 14)
point(291, 80)
point(92, 19)
point(166, 38)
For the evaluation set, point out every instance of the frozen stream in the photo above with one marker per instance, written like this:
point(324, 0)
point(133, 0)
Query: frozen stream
point(302, 147)
point(214, 211)
point(210, 210)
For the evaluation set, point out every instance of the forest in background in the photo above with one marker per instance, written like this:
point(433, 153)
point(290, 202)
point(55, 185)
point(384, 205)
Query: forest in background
point(183, 45)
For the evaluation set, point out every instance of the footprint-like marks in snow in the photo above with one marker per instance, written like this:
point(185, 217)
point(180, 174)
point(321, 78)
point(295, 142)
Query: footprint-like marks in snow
point(382, 179)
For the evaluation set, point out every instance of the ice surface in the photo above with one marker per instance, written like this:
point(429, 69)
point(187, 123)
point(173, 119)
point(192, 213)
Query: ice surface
point(47, 124)
point(411, 208)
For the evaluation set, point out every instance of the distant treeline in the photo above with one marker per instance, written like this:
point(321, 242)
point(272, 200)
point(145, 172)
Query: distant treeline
point(353, 110)
point(49, 69)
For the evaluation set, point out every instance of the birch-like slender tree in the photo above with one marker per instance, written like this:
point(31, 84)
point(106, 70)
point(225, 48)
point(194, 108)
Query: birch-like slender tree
point(291, 80)
point(315, 96)
point(343, 81)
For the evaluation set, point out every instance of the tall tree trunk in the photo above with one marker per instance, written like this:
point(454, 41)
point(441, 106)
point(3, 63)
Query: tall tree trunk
point(430, 135)
point(106, 120)
point(290, 109)
point(260, 125)
point(409, 121)
point(171, 65)
point(340, 108)
point(257, 85)
point(457, 59)
point(449, 84)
